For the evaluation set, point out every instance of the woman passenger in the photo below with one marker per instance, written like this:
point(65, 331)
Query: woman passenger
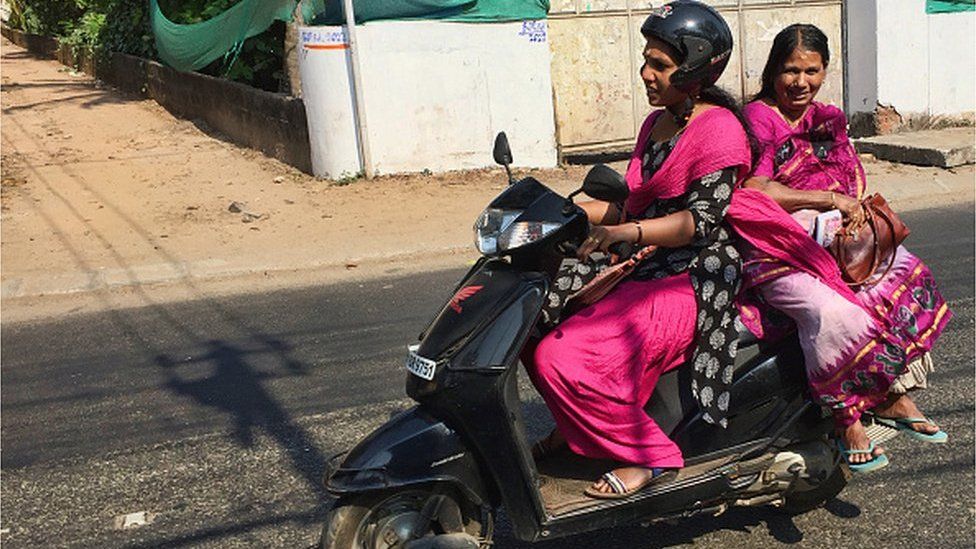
point(855, 345)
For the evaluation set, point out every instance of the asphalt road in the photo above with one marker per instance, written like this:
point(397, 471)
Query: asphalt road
point(215, 417)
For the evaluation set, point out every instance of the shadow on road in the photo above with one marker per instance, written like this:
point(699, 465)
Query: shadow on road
point(778, 525)
point(223, 378)
point(234, 387)
point(93, 99)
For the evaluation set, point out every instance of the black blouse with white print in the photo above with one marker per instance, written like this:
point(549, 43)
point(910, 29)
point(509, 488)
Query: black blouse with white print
point(713, 264)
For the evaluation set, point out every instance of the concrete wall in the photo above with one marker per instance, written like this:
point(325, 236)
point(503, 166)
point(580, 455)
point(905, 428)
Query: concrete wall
point(435, 94)
point(925, 64)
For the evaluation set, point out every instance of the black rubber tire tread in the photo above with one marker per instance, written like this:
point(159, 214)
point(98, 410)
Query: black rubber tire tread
point(342, 521)
point(339, 530)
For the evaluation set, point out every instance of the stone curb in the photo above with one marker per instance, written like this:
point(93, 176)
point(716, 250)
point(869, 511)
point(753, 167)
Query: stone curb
point(940, 148)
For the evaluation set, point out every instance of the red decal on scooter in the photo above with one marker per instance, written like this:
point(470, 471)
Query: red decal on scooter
point(463, 294)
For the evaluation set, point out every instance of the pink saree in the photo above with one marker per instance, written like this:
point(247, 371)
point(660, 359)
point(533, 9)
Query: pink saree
point(598, 368)
point(871, 334)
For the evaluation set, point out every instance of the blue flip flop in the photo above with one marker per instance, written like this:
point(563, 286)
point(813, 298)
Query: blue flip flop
point(904, 424)
point(874, 464)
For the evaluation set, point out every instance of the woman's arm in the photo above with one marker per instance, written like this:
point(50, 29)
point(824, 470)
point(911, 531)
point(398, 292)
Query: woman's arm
point(792, 199)
point(672, 231)
point(708, 200)
point(601, 213)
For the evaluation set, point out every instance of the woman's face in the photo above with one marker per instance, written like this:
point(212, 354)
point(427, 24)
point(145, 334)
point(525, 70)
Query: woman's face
point(659, 64)
point(799, 81)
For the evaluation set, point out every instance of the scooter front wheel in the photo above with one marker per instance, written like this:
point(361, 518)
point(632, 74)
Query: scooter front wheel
point(413, 518)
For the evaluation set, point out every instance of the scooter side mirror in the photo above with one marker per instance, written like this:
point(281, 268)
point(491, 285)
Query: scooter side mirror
point(603, 183)
point(502, 152)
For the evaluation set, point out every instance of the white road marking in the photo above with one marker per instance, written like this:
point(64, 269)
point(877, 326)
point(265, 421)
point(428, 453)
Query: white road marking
point(133, 520)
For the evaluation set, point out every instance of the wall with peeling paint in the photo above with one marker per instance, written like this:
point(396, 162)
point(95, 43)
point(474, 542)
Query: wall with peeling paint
point(597, 53)
point(922, 64)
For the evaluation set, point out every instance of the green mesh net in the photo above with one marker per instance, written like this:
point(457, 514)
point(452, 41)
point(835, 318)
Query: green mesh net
point(949, 6)
point(190, 47)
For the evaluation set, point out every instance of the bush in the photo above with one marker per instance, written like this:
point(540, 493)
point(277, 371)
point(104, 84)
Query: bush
point(48, 17)
point(127, 29)
point(99, 27)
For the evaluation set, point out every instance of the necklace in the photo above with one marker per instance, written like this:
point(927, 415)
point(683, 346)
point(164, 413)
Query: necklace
point(682, 113)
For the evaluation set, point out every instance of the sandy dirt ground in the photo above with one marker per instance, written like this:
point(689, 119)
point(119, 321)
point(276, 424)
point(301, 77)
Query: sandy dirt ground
point(110, 201)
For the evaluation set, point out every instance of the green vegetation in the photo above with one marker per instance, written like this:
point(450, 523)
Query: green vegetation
point(98, 27)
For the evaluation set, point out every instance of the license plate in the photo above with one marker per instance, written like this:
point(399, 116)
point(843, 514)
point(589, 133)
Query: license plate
point(419, 366)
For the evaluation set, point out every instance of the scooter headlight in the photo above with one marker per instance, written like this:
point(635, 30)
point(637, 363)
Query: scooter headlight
point(498, 231)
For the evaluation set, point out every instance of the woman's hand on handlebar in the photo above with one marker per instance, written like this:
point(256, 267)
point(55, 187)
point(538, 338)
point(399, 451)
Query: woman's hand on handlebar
point(603, 236)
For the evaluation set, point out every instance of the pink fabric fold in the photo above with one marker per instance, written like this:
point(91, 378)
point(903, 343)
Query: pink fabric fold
point(713, 140)
point(760, 221)
point(839, 171)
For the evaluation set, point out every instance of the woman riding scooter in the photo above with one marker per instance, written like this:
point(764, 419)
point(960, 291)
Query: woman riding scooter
point(598, 368)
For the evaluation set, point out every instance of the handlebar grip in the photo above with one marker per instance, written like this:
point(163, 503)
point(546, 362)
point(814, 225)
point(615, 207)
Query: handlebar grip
point(623, 250)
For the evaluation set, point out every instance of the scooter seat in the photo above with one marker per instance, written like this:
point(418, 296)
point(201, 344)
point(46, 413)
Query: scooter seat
point(746, 337)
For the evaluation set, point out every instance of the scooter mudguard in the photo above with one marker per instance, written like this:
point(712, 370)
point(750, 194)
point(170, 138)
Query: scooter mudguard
point(413, 448)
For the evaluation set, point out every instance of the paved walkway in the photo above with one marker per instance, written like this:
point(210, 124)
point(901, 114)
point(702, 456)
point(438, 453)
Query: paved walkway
point(109, 201)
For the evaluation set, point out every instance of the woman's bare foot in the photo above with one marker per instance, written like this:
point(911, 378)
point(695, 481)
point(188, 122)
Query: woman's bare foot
point(855, 437)
point(902, 406)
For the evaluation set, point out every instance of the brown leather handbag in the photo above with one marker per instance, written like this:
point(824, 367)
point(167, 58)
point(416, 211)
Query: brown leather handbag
point(607, 280)
point(862, 248)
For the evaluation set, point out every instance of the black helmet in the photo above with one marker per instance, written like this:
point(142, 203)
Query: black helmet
point(699, 34)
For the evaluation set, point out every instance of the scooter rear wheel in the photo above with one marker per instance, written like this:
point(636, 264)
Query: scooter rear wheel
point(800, 501)
point(391, 519)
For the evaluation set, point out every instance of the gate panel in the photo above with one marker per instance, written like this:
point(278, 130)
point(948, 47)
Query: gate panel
point(597, 52)
point(593, 99)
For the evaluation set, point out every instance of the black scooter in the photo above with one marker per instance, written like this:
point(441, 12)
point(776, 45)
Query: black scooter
point(433, 475)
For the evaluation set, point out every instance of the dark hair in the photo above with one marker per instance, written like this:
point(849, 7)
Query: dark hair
point(717, 96)
point(799, 35)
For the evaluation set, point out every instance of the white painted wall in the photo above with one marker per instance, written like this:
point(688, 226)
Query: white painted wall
point(926, 64)
point(436, 93)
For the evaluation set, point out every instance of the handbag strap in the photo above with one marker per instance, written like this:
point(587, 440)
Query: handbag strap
point(894, 247)
point(871, 215)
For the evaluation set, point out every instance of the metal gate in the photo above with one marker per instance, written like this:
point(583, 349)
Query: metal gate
point(597, 53)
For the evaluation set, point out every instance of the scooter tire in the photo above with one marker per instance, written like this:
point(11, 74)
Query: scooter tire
point(354, 520)
point(799, 502)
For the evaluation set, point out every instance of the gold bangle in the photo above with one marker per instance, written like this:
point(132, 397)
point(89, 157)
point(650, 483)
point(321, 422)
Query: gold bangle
point(833, 202)
point(640, 232)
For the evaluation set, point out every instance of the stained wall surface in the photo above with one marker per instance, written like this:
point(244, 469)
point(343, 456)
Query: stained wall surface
point(596, 55)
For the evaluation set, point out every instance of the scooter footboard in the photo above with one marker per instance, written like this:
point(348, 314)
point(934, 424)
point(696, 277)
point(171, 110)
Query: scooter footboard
point(412, 448)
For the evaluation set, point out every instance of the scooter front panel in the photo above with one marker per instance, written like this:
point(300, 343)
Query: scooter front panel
point(413, 448)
